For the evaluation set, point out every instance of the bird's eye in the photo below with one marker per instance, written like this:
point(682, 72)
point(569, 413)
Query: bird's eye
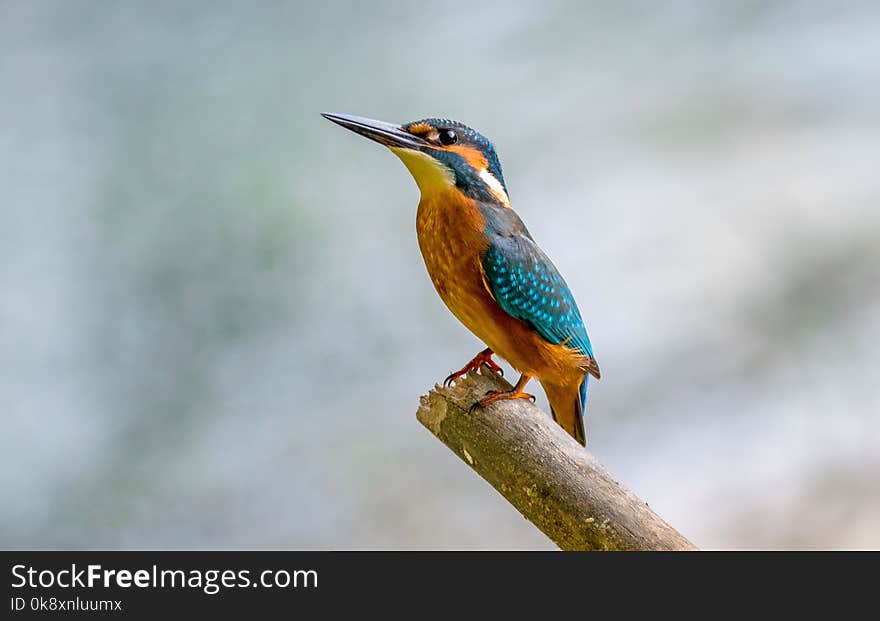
point(448, 137)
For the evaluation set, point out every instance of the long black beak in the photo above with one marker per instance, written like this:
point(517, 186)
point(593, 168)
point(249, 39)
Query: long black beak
point(384, 133)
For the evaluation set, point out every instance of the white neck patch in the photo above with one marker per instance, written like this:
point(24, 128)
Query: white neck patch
point(495, 186)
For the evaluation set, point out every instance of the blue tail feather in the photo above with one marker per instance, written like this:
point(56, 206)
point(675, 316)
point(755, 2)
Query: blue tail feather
point(580, 433)
point(584, 395)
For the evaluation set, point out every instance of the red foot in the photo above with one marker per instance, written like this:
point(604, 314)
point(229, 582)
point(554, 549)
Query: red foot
point(484, 357)
point(498, 395)
point(505, 395)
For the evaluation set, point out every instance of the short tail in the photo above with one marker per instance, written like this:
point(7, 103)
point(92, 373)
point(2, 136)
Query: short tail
point(568, 404)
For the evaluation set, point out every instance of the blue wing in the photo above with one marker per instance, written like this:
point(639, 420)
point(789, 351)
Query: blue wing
point(527, 285)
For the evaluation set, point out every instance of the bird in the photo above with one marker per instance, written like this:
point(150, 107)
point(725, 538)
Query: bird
point(487, 267)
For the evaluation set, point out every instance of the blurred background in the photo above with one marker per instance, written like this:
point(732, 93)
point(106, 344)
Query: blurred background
point(215, 324)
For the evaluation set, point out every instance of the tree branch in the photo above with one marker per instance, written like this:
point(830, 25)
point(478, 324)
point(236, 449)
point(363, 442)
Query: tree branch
point(552, 480)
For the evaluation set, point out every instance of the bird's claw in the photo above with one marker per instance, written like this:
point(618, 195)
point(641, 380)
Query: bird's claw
point(483, 358)
point(500, 395)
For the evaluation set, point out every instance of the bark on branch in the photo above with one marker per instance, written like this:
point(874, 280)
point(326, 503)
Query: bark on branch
point(553, 481)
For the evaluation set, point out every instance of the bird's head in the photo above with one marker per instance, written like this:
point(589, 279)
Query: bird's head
point(442, 155)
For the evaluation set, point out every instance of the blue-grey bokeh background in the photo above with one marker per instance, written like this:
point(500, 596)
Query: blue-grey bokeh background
point(215, 323)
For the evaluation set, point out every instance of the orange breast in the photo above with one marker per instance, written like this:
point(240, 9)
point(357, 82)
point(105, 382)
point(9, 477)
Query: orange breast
point(451, 238)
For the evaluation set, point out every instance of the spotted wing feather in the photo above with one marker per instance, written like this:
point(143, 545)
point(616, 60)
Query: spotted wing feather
point(527, 286)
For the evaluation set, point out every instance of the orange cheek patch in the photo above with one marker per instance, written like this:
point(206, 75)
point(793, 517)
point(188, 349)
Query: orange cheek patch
point(476, 159)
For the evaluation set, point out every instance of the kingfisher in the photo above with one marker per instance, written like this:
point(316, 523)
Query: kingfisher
point(487, 267)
